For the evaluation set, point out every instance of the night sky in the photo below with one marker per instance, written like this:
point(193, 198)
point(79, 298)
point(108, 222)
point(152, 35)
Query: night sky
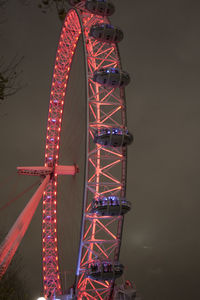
point(160, 50)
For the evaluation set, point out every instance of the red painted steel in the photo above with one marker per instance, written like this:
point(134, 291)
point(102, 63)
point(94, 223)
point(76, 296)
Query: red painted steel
point(43, 171)
point(34, 171)
point(13, 239)
point(66, 170)
point(106, 167)
point(67, 44)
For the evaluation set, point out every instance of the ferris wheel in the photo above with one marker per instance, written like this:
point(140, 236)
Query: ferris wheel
point(106, 141)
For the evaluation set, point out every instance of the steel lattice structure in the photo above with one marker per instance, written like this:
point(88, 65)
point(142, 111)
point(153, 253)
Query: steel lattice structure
point(105, 167)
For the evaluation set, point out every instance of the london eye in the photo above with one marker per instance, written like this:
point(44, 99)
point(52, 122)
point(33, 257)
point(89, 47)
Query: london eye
point(105, 169)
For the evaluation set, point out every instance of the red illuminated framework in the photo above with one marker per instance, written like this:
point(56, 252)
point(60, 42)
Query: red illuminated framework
point(105, 166)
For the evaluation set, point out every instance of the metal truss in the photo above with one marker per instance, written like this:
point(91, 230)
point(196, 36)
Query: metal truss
point(105, 169)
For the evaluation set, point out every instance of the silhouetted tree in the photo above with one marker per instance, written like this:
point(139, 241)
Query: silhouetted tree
point(9, 77)
point(9, 72)
point(2, 3)
point(60, 5)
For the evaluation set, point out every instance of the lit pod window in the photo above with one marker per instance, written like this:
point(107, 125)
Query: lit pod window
point(104, 270)
point(111, 77)
point(114, 137)
point(110, 206)
point(106, 33)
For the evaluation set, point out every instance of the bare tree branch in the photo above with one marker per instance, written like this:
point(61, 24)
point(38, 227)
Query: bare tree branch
point(9, 77)
point(61, 7)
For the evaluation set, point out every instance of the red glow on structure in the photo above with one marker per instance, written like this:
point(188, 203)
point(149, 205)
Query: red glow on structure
point(105, 110)
point(11, 243)
point(63, 60)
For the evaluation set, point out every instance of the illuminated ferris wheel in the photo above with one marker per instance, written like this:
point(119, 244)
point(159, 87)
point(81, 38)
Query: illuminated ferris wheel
point(106, 141)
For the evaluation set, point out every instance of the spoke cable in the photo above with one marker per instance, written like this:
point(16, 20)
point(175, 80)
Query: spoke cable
point(18, 196)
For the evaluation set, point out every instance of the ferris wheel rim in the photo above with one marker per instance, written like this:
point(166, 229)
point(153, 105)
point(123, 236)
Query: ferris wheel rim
point(86, 140)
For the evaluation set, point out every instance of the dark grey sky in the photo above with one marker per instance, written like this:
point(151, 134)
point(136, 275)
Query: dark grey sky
point(160, 50)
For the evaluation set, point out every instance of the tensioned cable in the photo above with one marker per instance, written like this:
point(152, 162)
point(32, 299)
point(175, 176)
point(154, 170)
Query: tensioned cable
point(2, 182)
point(18, 196)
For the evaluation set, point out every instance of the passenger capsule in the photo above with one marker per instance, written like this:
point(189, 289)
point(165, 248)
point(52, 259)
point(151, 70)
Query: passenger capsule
point(110, 206)
point(106, 33)
point(114, 137)
point(104, 270)
point(100, 7)
point(111, 77)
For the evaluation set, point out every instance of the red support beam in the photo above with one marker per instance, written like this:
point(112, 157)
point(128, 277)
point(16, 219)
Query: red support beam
point(13, 239)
